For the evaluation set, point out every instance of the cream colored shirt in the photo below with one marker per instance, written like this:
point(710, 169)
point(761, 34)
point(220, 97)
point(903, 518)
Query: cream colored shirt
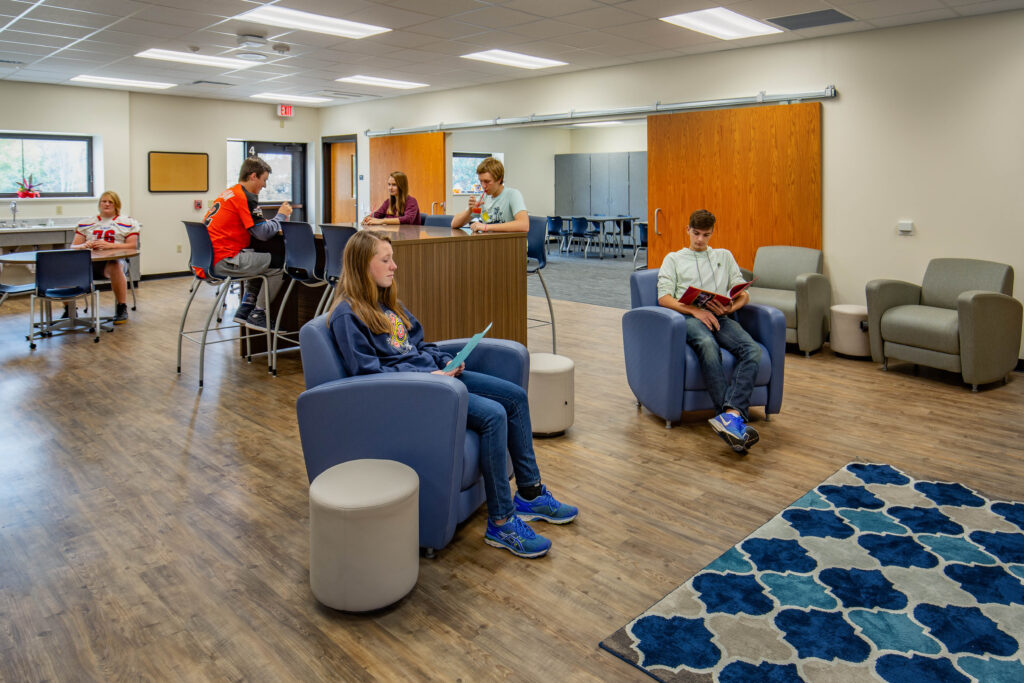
point(712, 269)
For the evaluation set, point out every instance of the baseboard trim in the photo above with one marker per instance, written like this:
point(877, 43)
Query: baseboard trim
point(1020, 365)
point(163, 276)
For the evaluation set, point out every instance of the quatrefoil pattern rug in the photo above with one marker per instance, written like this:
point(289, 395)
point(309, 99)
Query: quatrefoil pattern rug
point(873, 575)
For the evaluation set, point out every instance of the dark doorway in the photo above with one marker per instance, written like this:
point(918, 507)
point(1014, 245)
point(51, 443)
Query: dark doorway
point(288, 176)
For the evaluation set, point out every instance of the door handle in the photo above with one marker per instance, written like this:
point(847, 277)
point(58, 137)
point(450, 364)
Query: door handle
point(656, 222)
point(432, 205)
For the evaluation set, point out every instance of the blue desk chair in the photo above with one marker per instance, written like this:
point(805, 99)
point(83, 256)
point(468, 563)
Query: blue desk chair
point(662, 369)
point(299, 266)
point(555, 231)
point(639, 242)
point(201, 260)
point(335, 239)
point(63, 275)
point(537, 259)
point(440, 220)
point(7, 291)
point(343, 418)
point(581, 230)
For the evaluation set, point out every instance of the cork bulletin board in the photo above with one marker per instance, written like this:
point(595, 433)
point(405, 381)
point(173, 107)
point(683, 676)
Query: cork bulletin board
point(179, 172)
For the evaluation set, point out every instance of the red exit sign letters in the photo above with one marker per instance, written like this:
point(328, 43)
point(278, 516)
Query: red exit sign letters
point(285, 110)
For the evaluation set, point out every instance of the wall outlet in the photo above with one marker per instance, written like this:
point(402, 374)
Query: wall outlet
point(179, 249)
point(59, 210)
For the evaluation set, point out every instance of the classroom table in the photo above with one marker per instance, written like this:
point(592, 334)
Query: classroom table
point(602, 221)
point(48, 325)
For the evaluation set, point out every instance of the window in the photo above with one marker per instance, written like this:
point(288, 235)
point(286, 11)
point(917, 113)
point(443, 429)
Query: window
point(464, 180)
point(60, 165)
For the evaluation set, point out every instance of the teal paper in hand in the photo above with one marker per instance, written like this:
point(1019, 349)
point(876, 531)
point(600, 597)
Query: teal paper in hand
point(467, 349)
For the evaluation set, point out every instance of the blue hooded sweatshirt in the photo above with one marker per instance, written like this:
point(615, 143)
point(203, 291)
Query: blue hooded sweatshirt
point(397, 350)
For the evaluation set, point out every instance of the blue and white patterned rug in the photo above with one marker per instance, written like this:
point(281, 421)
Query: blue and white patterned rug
point(871, 576)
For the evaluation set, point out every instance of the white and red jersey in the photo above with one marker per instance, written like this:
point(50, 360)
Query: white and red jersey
point(117, 229)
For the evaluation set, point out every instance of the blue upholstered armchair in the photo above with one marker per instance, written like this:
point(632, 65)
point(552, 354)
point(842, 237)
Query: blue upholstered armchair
point(662, 369)
point(418, 419)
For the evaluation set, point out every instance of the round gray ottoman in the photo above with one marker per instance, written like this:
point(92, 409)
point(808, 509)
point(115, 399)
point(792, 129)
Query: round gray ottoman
point(551, 393)
point(364, 534)
point(846, 335)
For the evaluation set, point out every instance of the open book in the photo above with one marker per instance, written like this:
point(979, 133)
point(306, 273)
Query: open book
point(700, 297)
point(467, 349)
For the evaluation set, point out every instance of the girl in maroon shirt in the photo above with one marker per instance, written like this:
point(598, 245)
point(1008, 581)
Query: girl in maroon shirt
point(399, 208)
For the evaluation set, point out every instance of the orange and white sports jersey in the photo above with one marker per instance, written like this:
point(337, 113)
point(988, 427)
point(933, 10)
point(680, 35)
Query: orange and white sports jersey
point(117, 229)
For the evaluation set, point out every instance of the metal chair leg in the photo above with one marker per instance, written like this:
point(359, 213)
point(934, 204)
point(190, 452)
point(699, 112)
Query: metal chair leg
point(181, 328)
point(551, 311)
point(277, 326)
point(206, 330)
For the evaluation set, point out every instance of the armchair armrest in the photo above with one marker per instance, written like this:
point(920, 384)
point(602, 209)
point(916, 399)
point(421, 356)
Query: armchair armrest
point(748, 275)
point(813, 299)
point(653, 342)
point(356, 417)
point(990, 331)
point(767, 326)
point(881, 296)
point(502, 358)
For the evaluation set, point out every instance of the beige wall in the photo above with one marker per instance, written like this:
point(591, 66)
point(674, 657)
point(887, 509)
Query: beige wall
point(926, 127)
point(133, 124)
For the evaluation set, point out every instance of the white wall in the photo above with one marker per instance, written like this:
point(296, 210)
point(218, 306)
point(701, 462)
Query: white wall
point(626, 137)
point(132, 125)
point(926, 126)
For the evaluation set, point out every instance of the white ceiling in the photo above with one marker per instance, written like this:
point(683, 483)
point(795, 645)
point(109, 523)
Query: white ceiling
point(55, 40)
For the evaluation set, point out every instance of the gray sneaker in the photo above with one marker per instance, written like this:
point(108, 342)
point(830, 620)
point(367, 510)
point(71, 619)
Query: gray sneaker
point(242, 313)
point(257, 320)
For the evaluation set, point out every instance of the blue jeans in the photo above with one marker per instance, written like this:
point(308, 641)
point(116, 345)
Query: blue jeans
point(499, 412)
point(708, 345)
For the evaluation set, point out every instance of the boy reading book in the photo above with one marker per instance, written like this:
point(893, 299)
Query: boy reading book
point(711, 273)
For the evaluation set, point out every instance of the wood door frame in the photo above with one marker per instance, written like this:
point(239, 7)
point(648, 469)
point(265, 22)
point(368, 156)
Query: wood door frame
point(327, 172)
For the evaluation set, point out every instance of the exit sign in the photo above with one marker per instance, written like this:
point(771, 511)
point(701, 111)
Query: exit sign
point(285, 110)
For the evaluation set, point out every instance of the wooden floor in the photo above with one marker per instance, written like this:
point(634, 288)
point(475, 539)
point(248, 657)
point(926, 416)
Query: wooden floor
point(152, 531)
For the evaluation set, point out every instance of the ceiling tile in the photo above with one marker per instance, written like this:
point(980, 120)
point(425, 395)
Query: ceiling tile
point(389, 17)
point(35, 38)
point(7, 47)
point(441, 8)
point(991, 6)
point(916, 18)
point(496, 17)
point(656, 9)
point(447, 28)
point(547, 28)
point(49, 28)
point(888, 8)
point(548, 8)
point(72, 17)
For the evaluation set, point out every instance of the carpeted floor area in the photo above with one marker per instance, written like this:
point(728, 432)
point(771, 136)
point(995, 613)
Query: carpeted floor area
point(872, 575)
point(570, 277)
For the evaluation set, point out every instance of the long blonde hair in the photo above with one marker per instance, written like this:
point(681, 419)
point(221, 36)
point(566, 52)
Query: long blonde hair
point(397, 202)
point(360, 290)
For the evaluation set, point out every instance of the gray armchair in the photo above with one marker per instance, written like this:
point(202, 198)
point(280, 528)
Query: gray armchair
point(962, 318)
point(790, 279)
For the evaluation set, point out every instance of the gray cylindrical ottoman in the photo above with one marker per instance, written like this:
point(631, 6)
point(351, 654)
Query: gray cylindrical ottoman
point(364, 534)
point(551, 393)
point(846, 335)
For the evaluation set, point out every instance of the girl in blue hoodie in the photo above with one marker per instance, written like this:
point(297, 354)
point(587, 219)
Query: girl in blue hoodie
point(375, 333)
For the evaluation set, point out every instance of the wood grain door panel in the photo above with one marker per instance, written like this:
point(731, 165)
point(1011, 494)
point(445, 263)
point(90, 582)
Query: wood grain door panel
point(420, 157)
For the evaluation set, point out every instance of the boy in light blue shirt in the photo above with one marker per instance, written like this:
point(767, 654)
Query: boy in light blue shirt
point(501, 209)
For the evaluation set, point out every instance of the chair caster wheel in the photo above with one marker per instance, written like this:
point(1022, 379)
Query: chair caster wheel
point(31, 346)
point(96, 340)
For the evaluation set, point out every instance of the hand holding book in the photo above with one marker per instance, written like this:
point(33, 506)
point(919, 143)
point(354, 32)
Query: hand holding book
point(694, 296)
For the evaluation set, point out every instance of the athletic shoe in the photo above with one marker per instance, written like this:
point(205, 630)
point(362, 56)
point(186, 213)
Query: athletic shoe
point(732, 429)
point(66, 313)
point(120, 314)
point(242, 313)
point(257, 320)
point(751, 437)
point(544, 507)
point(517, 537)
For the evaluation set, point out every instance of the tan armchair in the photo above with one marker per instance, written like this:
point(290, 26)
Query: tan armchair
point(962, 318)
point(790, 279)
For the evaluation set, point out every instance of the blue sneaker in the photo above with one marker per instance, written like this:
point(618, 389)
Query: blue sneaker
point(733, 431)
point(545, 507)
point(517, 537)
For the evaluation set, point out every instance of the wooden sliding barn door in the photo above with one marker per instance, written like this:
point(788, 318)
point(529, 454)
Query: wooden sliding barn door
point(420, 157)
point(758, 169)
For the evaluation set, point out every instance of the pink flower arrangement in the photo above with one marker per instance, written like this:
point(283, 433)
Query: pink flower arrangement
point(26, 188)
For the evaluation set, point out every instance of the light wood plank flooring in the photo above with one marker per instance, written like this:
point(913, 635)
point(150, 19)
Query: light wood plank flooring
point(151, 531)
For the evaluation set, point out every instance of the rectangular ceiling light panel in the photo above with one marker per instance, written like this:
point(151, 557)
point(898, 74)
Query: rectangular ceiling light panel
point(193, 58)
point(126, 82)
point(721, 23)
point(281, 17)
point(382, 82)
point(506, 58)
point(301, 99)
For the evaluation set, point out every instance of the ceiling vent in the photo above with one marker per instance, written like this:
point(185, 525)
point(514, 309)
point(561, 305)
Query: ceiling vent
point(212, 84)
point(339, 95)
point(826, 17)
point(13, 62)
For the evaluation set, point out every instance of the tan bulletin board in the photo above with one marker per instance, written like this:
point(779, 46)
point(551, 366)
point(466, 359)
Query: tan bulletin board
point(179, 172)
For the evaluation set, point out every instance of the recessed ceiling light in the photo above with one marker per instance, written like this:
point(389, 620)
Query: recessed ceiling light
point(192, 58)
point(104, 80)
point(251, 56)
point(721, 23)
point(599, 124)
point(307, 21)
point(382, 82)
point(507, 58)
point(290, 98)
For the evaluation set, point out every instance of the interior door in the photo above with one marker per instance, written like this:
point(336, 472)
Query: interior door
point(287, 177)
point(343, 182)
point(758, 169)
point(421, 158)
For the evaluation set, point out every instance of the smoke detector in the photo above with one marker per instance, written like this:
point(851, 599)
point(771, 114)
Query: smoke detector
point(251, 56)
point(251, 41)
point(280, 48)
